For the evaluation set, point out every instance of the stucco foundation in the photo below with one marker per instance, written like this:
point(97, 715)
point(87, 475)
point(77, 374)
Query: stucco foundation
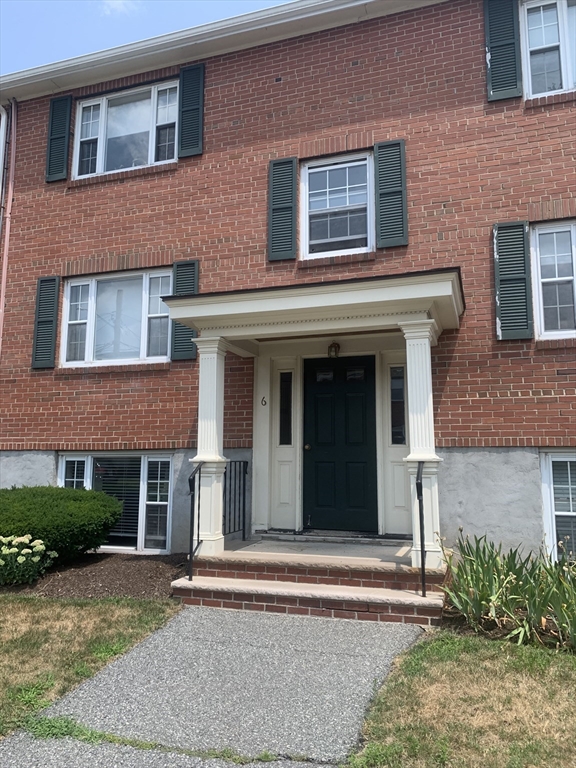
point(495, 492)
point(27, 468)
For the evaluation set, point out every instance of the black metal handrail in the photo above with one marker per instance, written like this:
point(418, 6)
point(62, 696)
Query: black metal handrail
point(234, 512)
point(420, 496)
point(193, 481)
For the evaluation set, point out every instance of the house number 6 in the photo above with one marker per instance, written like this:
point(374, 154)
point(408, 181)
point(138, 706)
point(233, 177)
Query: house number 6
point(263, 401)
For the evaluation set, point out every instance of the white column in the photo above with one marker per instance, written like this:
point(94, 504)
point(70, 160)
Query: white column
point(211, 354)
point(420, 336)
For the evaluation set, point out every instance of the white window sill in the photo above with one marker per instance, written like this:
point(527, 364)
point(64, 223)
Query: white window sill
point(332, 254)
point(110, 550)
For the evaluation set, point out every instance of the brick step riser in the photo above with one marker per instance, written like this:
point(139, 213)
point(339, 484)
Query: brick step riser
point(306, 606)
point(371, 579)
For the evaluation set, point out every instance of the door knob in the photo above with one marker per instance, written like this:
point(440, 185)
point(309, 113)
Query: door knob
point(307, 447)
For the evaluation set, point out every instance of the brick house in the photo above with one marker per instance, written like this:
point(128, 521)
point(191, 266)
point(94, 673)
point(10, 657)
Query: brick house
point(364, 212)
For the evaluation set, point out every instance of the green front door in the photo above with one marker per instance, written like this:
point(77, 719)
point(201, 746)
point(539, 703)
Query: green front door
point(340, 445)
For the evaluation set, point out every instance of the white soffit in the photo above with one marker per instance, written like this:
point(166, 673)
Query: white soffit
point(240, 32)
point(363, 305)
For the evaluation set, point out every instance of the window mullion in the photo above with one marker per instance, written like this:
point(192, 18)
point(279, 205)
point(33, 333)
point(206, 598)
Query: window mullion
point(144, 320)
point(154, 112)
point(101, 150)
point(89, 354)
point(567, 79)
point(142, 504)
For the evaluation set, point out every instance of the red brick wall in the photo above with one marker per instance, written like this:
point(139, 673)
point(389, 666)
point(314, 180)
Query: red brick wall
point(419, 76)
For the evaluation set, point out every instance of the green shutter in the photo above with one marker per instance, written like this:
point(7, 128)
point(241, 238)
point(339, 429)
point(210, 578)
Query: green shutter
point(58, 138)
point(391, 203)
point(513, 284)
point(45, 322)
point(185, 282)
point(282, 209)
point(503, 63)
point(191, 96)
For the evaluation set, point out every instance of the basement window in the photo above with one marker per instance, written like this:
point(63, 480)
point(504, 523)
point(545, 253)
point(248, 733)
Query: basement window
point(141, 483)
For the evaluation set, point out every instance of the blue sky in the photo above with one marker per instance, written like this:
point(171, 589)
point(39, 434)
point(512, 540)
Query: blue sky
point(35, 32)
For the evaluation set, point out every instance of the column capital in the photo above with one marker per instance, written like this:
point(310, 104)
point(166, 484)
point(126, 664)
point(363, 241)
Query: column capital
point(420, 329)
point(211, 345)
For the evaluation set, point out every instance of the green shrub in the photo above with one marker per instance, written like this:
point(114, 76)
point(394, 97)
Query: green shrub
point(530, 599)
point(69, 521)
point(23, 560)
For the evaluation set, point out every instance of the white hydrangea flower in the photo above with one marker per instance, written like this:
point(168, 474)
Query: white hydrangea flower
point(52, 554)
point(39, 548)
point(26, 551)
point(2, 562)
point(35, 559)
point(22, 539)
point(21, 559)
point(37, 543)
point(12, 551)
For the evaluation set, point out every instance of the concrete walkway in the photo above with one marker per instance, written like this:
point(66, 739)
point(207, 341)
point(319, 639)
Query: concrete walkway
point(215, 679)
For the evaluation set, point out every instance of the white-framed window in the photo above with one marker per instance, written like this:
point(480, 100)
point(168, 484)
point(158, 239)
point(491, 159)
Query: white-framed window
point(548, 46)
point(126, 130)
point(142, 483)
point(559, 490)
point(116, 319)
point(553, 255)
point(337, 206)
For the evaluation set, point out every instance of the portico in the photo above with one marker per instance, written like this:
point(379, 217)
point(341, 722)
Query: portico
point(384, 325)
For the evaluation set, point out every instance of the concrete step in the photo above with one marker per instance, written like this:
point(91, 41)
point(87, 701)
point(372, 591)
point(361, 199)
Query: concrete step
point(334, 538)
point(330, 600)
point(301, 568)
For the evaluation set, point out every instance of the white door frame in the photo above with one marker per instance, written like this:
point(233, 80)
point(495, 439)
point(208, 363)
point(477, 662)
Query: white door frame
point(277, 497)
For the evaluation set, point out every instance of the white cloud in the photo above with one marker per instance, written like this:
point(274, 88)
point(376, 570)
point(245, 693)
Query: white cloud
point(113, 7)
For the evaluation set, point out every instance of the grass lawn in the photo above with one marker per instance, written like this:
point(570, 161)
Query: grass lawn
point(465, 702)
point(50, 645)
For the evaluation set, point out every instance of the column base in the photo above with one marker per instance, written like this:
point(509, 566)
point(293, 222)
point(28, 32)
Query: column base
point(211, 547)
point(434, 557)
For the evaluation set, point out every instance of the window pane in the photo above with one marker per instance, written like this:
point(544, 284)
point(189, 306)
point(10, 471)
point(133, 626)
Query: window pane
point(74, 473)
point(87, 157)
point(79, 302)
point(558, 302)
point(128, 131)
point(543, 26)
point(286, 408)
point(546, 73)
point(318, 181)
point(157, 336)
point(566, 533)
point(555, 254)
point(120, 477)
point(90, 122)
point(76, 342)
point(318, 228)
point(118, 319)
point(167, 106)
point(159, 286)
point(564, 481)
point(165, 143)
point(397, 409)
point(157, 495)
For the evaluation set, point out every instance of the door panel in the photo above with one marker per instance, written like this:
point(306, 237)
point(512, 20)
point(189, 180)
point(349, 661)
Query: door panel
point(340, 490)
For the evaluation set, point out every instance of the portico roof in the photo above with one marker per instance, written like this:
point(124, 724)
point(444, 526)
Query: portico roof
point(359, 305)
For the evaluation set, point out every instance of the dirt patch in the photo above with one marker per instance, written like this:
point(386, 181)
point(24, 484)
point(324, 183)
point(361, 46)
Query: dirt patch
point(109, 575)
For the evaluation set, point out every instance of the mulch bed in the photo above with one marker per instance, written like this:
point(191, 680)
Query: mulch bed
point(109, 575)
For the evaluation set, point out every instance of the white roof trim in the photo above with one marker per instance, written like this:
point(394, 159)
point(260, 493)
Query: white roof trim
point(363, 305)
point(219, 37)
